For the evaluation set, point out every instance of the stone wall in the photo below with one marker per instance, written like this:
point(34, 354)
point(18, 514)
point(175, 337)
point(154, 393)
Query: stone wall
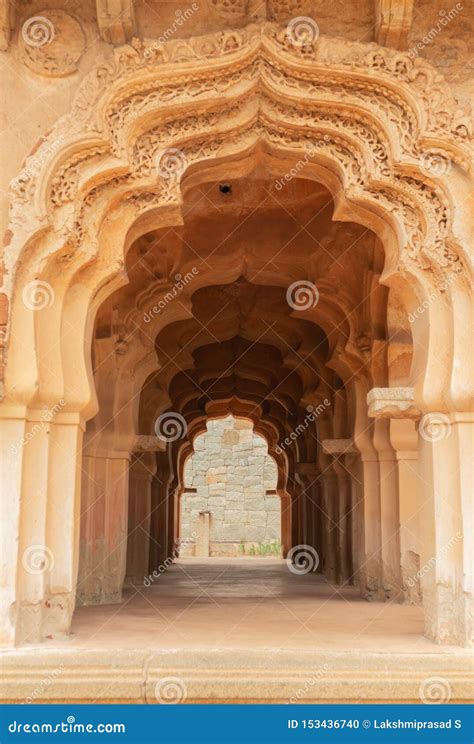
point(231, 470)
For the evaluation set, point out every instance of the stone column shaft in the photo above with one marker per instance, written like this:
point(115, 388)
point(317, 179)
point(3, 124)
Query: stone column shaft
point(104, 518)
point(404, 439)
point(389, 511)
point(139, 515)
point(446, 469)
point(40, 470)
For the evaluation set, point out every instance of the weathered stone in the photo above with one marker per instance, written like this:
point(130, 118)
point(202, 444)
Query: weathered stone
point(352, 327)
point(231, 487)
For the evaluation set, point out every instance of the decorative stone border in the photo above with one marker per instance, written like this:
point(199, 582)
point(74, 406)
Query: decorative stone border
point(231, 676)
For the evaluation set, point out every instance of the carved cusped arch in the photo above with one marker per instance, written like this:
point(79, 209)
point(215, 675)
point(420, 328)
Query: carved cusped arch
point(369, 117)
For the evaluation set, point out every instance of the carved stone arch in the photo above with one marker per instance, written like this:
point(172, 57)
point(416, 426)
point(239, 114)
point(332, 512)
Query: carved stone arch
point(373, 153)
point(239, 408)
point(370, 114)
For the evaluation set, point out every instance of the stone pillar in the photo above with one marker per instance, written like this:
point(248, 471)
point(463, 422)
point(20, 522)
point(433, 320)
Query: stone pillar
point(404, 438)
point(392, 408)
point(142, 469)
point(158, 524)
point(446, 470)
point(307, 474)
point(300, 509)
point(350, 463)
point(203, 536)
point(40, 456)
point(173, 503)
point(344, 532)
point(389, 511)
point(286, 526)
point(295, 523)
point(445, 486)
point(366, 471)
point(318, 523)
point(329, 493)
point(338, 449)
point(309, 511)
point(104, 517)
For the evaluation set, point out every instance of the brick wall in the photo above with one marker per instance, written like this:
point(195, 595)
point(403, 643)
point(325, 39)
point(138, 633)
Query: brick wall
point(231, 470)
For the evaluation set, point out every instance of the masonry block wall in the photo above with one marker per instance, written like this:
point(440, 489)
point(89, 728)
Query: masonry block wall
point(231, 470)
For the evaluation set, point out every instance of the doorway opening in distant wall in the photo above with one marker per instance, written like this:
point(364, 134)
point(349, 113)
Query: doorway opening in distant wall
point(230, 505)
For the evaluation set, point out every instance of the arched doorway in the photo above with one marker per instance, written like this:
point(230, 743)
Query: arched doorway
point(111, 185)
point(229, 506)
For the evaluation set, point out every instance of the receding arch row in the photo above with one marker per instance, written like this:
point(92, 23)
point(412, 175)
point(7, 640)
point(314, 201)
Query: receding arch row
point(104, 189)
point(79, 252)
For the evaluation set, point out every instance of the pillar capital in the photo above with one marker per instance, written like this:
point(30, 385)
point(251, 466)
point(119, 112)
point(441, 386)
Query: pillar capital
point(392, 402)
point(337, 447)
point(148, 443)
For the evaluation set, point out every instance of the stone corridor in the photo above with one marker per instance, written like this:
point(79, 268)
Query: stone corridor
point(236, 210)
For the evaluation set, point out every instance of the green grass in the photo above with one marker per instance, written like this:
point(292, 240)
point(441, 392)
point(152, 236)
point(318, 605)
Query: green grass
point(262, 549)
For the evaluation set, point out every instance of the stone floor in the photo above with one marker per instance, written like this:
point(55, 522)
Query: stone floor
point(257, 602)
point(230, 630)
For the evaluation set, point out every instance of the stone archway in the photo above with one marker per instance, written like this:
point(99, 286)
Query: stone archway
point(218, 103)
point(229, 507)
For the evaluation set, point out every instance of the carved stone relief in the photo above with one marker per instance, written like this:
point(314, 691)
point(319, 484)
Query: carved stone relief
point(51, 43)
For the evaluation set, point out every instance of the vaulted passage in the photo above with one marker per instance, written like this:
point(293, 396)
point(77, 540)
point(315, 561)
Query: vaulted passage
point(239, 330)
point(240, 239)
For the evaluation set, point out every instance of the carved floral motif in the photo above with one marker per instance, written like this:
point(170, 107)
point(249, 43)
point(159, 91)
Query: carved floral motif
point(58, 53)
point(350, 101)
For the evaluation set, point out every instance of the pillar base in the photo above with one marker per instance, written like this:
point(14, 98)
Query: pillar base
point(100, 597)
point(45, 620)
point(448, 616)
